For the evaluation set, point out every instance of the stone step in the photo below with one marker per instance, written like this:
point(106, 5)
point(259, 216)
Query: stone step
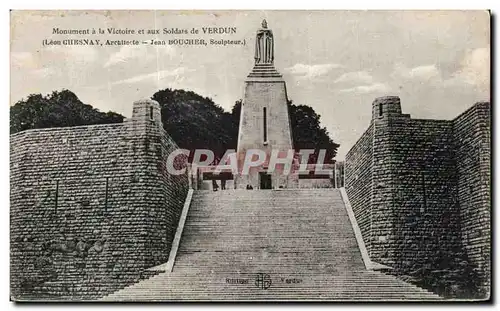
point(262, 68)
point(264, 74)
point(260, 75)
point(253, 289)
point(276, 285)
point(233, 292)
point(296, 192)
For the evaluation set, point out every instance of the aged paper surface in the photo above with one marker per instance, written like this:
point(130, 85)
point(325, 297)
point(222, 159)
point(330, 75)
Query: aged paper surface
point(250, 156)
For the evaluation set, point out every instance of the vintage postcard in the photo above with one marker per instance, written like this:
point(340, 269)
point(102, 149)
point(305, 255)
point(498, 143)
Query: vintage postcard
point(250, 156)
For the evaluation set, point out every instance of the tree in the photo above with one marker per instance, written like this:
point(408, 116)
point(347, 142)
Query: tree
point(58, 109)
point(308, 133)
point(194, 121)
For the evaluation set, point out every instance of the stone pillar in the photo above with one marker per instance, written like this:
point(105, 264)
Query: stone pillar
point(386, 106)
point(264, 125)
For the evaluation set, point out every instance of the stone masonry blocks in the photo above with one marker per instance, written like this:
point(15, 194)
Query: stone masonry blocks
point(91, 206)
point(424, 184)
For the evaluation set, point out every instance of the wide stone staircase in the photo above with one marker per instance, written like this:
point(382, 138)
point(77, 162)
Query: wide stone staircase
point(269, 245)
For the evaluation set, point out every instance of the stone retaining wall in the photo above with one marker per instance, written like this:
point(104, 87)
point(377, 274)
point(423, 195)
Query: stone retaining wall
point(91, 206)
point(420, 189)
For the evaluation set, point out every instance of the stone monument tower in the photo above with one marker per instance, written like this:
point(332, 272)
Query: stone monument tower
point(264, 119)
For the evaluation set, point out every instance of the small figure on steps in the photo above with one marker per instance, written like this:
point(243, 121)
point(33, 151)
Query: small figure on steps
point(215, 186)
point(223, 182)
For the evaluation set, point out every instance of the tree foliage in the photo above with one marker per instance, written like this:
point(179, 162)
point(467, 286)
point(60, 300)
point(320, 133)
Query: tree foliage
point(308, 133)
point(58, 109)
point(194, 121)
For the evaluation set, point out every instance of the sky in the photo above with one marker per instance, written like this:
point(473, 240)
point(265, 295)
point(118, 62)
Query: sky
point(338, 62)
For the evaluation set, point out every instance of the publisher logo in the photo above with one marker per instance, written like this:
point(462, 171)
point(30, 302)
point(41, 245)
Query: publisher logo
point(263, 281)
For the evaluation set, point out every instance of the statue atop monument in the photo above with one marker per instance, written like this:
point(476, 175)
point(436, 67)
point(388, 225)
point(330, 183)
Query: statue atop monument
point(264, 45)
point(264, 56)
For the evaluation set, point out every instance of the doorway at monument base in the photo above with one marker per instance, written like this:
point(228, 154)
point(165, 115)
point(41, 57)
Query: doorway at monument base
point(260, 178)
